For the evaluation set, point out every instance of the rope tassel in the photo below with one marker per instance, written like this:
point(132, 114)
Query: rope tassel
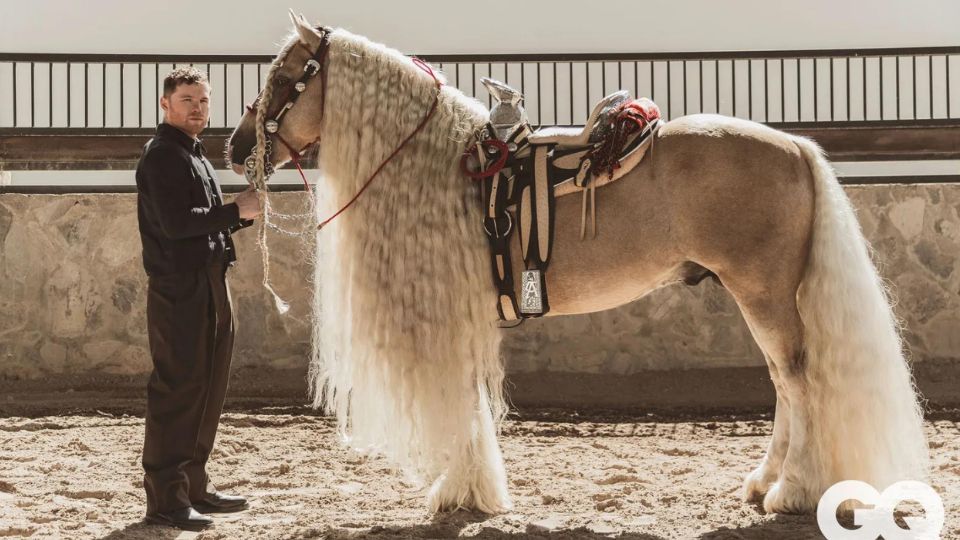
point(260, 183)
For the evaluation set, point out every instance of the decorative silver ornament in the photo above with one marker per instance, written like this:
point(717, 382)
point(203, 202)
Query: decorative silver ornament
point(531, 292)
point(507, 115)
point(300, 86)
point(271, 126)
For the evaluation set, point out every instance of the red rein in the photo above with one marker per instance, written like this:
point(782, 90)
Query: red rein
point(494, 168)
point(295, 155)
point(425, 67)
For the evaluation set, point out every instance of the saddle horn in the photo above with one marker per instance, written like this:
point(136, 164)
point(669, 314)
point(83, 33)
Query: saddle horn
point(508, 113)
point(502, 92)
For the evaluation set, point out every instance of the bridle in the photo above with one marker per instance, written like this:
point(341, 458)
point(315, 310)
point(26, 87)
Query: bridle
point(315, 66)
point(257, 175)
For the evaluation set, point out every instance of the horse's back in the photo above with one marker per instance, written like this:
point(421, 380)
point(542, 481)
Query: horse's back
point(746, 182)
point(724, 134)
point(724, 193)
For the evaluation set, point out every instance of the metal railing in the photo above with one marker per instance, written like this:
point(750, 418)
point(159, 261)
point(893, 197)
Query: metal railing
point(783, 88)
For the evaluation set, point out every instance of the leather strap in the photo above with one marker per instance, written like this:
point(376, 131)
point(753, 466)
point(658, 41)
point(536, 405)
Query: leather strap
point(498, 223)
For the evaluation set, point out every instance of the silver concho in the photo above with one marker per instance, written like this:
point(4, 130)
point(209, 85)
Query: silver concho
point(300, 86)
point(531, 292)
point(312, 66)
point(271, 126)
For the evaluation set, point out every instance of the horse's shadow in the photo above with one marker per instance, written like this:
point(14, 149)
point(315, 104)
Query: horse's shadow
point(450, 525)
point(781, 526)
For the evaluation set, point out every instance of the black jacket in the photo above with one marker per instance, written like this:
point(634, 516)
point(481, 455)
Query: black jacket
point(184, 224)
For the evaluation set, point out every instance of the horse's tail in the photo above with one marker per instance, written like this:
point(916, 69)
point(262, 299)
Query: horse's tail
point(868, 423)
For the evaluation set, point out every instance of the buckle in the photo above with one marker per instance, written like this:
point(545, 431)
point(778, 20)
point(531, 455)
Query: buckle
point(500, 229)
point(311, 67)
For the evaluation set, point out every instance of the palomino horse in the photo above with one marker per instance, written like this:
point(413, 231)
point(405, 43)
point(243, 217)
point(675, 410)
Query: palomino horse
point(405, 346)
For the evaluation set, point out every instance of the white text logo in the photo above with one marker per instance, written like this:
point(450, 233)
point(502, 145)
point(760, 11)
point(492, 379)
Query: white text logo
point(879, 520)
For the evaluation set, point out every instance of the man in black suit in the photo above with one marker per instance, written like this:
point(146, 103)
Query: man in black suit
point(185, 228)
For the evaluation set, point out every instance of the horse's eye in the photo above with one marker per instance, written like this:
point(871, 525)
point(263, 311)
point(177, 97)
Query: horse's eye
point(282, 81)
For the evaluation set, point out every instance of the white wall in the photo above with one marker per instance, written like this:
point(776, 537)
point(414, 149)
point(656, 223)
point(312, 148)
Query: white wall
point(520, 26)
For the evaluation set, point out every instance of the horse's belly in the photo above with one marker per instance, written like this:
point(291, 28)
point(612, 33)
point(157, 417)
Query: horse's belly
point(631, 255)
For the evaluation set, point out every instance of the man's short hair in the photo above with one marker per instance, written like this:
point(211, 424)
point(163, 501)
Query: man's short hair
point(183, 75)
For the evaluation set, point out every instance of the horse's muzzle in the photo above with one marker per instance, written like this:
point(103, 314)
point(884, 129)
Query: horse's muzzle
point(231, 160)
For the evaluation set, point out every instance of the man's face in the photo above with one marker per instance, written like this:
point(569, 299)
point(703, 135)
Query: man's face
point(187, 108)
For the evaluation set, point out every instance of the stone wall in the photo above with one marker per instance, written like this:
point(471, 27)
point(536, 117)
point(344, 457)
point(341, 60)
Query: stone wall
point(72, 298)
point(73, 290)
point(915, 234)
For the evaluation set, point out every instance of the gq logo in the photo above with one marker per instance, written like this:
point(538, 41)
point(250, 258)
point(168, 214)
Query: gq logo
point(879, 520)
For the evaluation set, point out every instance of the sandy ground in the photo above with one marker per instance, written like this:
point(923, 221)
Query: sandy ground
point(571, 477)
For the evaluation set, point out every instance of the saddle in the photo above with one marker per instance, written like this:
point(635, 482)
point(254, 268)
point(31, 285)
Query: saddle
point(576, 150)
point(523, 171)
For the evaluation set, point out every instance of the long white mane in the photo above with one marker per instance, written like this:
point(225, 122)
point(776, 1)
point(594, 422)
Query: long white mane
point(405, 349)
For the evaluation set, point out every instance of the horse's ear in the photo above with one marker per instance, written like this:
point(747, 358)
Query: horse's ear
point(307, 34)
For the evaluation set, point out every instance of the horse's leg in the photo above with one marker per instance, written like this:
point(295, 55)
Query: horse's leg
point(791, 463)
point(759, 481)
point(475, 478)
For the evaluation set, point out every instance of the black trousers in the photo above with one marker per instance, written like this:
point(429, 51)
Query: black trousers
point(190, 326)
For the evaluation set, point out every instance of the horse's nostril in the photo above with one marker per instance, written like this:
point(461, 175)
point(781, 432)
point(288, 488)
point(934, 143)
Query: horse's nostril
point(230, 153)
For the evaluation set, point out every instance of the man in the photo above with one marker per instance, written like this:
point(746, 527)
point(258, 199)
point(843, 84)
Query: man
point(185, 229)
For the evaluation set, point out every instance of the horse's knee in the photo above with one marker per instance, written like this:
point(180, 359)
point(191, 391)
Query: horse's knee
point(789, 375)
point(797, 363)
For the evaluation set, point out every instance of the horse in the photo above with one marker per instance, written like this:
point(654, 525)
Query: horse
point(405, 345)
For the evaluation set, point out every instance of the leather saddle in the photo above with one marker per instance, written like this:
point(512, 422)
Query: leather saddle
point(582, 136)
point(572, 146)
point(523, 171)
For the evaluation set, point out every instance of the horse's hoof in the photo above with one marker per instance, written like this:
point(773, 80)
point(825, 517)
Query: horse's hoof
point(758, 483)
point(486, 498)
point(788, 498)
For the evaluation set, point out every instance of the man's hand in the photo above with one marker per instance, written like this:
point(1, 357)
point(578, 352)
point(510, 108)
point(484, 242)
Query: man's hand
point(249, 204)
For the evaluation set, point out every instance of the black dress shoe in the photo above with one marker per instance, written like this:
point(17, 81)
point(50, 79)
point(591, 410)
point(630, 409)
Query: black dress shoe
point(219, 503)
point(187, 519)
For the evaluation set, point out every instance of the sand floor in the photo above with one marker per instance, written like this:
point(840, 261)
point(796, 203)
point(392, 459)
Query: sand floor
point(79, 476)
